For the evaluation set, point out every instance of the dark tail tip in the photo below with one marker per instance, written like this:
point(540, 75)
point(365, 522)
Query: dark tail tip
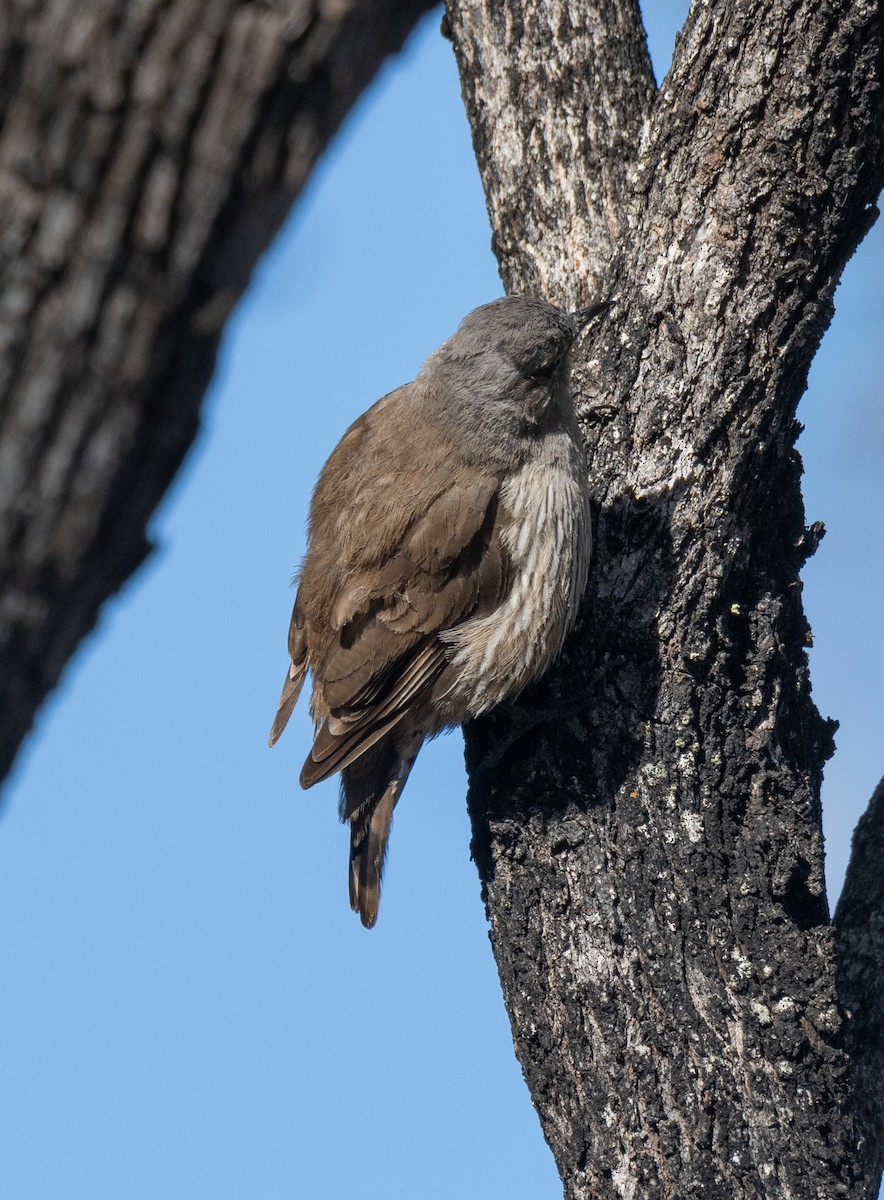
point(368, 908)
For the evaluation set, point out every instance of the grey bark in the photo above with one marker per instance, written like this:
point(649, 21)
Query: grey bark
point(149, 151)
point(651, 851)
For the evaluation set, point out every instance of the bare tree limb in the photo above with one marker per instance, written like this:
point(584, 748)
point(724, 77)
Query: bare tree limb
point(548, 87)
point(148, 153)
point(859, 922)
point(652, 859)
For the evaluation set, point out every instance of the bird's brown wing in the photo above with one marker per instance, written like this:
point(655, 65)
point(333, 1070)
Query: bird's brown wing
point(358, 526)
point(381, 660)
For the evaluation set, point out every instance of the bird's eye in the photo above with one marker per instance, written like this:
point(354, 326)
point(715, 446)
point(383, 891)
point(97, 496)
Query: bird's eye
point(545, 372)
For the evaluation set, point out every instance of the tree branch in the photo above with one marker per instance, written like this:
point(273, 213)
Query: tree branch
point(148, 153)
point(653, 864)
point(551, 87)
point(859, 923)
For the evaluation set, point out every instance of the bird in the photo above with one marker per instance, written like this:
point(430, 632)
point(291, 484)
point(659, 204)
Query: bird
point(448, 548)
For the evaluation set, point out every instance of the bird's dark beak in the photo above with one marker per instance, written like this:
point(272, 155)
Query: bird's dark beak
point(583, 316)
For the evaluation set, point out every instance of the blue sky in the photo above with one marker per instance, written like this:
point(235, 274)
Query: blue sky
point(189, 1008)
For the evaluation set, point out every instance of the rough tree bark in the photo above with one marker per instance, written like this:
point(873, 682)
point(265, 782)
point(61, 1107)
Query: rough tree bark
point(651, 853)
point(149, 150)
point(859, 921)
point(650, 846)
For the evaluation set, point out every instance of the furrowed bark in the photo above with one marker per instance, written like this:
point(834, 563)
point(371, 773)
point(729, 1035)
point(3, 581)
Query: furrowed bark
point(148, 153)
point(859, 923)
point(651, 858)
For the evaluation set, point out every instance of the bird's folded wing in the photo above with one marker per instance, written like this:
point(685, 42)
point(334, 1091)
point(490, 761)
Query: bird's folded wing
point(341, 739)
point(382, 662)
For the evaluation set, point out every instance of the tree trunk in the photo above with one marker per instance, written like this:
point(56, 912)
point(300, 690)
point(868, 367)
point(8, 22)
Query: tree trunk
point(651, 851)
point(148, 153)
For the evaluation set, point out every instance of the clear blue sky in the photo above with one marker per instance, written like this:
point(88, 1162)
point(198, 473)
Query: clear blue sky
point(189, 1009)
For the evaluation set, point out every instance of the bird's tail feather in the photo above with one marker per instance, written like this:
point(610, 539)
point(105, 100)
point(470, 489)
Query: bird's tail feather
point(367, 854)
point(370, 788)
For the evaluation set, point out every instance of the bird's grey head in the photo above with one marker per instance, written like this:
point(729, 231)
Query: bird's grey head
point(509, 359)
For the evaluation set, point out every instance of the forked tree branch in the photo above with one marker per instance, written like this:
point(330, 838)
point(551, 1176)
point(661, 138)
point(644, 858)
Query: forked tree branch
point(652, 860)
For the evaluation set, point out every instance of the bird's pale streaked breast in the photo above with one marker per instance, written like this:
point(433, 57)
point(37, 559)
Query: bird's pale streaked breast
point(548, 538)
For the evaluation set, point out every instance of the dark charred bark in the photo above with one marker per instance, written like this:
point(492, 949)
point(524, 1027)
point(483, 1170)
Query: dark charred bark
point(651, 853)
point(859, 922)
point(148, 153)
